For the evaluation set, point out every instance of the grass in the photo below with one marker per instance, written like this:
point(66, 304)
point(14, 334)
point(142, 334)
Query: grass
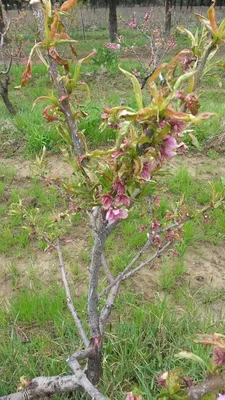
point(136, 349)
point(157, 314)
point(37, 332)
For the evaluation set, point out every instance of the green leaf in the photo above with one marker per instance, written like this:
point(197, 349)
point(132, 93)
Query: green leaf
point(86, 88)
point(136, 86)
point(52, 98)
point(183, 78)
point(191, 356)
point(204, 21)
point(78, 65)
point(221, 29)
point(156, 73)
point(65, 135)
point(190, 35)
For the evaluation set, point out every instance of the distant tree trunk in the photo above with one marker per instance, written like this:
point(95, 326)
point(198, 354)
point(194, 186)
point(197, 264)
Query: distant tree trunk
point(112, 20)
point(168, 9)
point(2, 25)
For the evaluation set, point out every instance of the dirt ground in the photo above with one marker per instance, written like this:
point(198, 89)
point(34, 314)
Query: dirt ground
point(204, 265)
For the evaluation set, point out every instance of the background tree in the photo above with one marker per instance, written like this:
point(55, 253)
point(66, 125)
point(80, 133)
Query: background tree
point(168, 9)
point(2, 24)
point(5, 62)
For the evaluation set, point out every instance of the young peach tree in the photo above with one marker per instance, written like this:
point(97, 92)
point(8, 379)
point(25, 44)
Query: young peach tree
point(108, 184)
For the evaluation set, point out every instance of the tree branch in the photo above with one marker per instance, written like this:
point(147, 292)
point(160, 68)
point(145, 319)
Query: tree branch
point(7, 70)
point(69, 297)
point(202, 64)
point(209, 385)
point(80, 355)
point(143, 264)
point(47, 386)
point(106, 310)
point(123, 275)
point(84, 382)
point(99, 232)
point(58, 83)
point(139, 254)
point(3, 34)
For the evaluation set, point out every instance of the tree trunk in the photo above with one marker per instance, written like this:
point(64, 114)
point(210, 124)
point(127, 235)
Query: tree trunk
point(2, 25)
point(168, 8)
point(202, 64)
point(8, 104)
point(94, 366)
point(112, 20)
point(5, 97)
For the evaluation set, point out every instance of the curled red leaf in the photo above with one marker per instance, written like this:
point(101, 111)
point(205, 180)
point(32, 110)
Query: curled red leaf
point(46, 115)
point(52, 52)
point(67, 5)
point(26, 75)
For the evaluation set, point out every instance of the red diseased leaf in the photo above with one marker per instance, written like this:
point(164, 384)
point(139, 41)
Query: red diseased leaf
point(62, 98)
point(73, 50)
point(61, 61)
point(62, 35)
point(67, 97)
point(54, 25)
point(216, 340)
point(131, 396)
point(176, 115)
point(172, 65)
point(26, 75)
point(174, 236)
point(46, 115)
point(212, 17)
point(192, 103)
point(206, 115)
point(67, 5)
point(194, 140)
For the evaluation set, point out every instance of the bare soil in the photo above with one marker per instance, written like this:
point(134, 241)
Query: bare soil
point(204, 265)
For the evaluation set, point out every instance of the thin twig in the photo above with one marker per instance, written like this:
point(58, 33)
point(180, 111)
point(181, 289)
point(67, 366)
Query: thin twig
point(106, 269)
point(130, 265)
point(122, 276)
point(7, 70)
point(144, 263)
point(69, 297)
point(3, 34)
point(106, 310)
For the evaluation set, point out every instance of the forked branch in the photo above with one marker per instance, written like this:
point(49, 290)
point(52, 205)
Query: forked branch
point(48, 386)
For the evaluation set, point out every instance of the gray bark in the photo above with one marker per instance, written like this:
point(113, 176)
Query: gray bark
point(168, 8)
point(98, 225)
point(47, 386)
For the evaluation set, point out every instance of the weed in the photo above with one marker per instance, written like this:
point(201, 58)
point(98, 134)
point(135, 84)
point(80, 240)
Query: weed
point(15, 274)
